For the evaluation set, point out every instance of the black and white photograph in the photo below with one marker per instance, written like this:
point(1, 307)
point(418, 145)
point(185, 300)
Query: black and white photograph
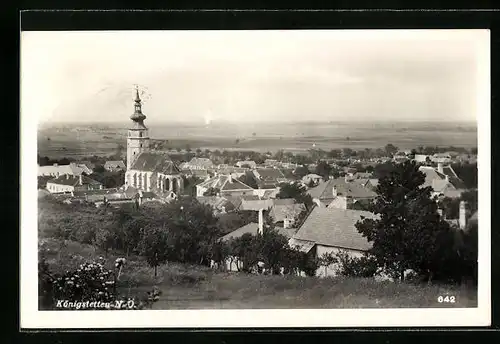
point(279, 178)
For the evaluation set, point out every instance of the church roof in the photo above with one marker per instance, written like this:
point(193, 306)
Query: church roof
point(155, 162)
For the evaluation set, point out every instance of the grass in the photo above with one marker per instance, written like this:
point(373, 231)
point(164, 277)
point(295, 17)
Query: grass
point(195, 287)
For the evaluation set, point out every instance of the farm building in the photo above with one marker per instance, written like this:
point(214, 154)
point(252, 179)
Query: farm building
point(330, 231)
point(69, 183)
point(56, 170)
point(227, 185)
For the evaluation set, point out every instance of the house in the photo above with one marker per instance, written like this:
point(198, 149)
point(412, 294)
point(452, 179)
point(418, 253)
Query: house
point(56, 170)
point(201, 174)
point(289, 175)
point(256, 203)
point(372, 184)
point(271, 163)
point(69, 183)
point(227, 185)
point(331, 231)
point(312, 177)
point(235, 171)
point(246, 164)
point(268, 178)
point(443, 158)
point(342, 193)
point(286, 214)
point(421, 158)
point(363, 175)
point(114, 166)
point(443, 180)
point(233, 263)
point(221, 205)
point(266, 193)
point(198, 164)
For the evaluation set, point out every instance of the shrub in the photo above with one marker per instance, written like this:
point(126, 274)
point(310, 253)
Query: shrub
point(365, 266)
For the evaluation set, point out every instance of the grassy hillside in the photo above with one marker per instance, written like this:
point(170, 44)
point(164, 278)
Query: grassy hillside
point(195, 287)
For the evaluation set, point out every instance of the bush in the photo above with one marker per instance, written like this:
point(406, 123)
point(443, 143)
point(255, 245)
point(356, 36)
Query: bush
point(365, 266)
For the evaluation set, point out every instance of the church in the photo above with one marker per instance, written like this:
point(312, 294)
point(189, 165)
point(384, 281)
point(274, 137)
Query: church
point(149, 170)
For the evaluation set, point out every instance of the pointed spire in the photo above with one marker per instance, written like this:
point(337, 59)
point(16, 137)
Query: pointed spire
point(137, 116)
point(137, 98)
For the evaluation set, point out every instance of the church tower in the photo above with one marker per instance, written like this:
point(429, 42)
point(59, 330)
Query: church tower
point(138, 137)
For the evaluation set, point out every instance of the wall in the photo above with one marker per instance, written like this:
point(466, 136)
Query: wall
point(54, 188)
point(331, 270)
point(237, 193)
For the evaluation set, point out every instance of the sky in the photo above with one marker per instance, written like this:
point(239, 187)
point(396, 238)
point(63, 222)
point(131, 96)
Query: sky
point(253, 76)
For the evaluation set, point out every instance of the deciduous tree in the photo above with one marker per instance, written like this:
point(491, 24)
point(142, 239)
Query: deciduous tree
point(409, 233)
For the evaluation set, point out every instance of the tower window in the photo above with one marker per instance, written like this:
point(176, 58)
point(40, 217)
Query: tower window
point(140, 133)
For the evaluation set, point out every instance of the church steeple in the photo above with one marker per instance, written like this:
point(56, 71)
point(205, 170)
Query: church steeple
point(138, 138)
point(138, 116)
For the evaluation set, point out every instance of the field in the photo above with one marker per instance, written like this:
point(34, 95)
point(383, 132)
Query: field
point(195, 287)
point(75, 140)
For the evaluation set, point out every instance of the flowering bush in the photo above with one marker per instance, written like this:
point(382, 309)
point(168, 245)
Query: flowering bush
point(90, 286)
point(90, 282)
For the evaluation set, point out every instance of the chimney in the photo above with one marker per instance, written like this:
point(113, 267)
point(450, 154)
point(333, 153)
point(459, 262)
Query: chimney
point(81, 179)
point(440, 167)
point(440, 212)
point(261, 221)
point(461, 215)
point(67, 176)
point(286, 223)
point(230, 178)
point(55, 165)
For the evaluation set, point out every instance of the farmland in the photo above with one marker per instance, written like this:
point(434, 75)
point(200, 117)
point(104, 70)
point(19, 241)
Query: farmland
point(76, 140)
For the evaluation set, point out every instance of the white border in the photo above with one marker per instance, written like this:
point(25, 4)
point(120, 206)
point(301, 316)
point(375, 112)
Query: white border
point(32, 318)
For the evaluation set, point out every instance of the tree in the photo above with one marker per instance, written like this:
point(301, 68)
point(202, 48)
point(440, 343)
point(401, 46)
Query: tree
point(153, 245)
point(361, 267)
point(192, 229)
point(244, 247)
point(334, 153)
point(301, 171)
point(384, 169)
point(229, 222)
point(326, 260)
point(390, 149)
point(190, 185)
point(323, 169)
point(295, 191)
point(99, 169)
point(347, 152)
point(409, 233)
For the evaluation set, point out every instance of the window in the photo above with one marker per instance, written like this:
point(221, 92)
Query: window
point(140, 133)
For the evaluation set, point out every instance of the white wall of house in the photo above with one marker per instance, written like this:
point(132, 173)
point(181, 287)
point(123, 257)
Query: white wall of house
point(55, 188)
point(331, 270)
